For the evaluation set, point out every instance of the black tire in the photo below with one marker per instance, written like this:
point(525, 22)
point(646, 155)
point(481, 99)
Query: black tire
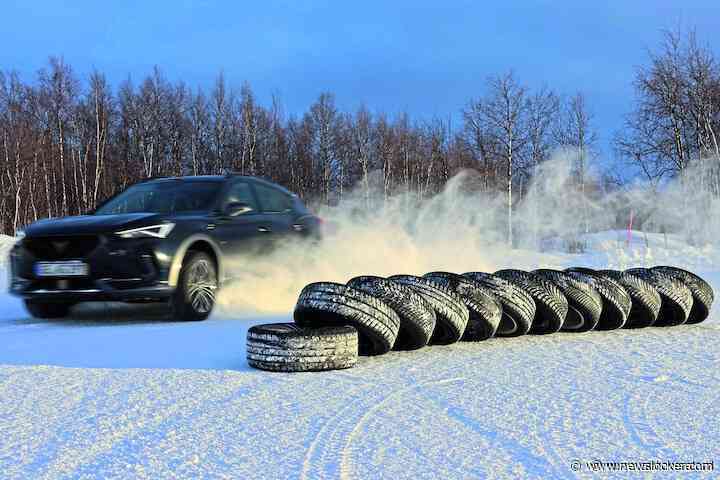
point(287, 347)
point(702, 292)
point(584, 301)
point(325, 303)
point(450, 311)
point(645, 298)
point(616, 302)
point(518, 307)
point(677, 299)
point(47, 310)
point(485, 310)
point(194, 296)
point(417, 317)
point(551, 306)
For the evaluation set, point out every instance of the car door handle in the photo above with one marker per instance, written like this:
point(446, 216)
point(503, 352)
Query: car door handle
point(264, 229)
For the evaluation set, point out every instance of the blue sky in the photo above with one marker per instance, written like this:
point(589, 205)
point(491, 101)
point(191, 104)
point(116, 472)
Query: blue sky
point(427, 58)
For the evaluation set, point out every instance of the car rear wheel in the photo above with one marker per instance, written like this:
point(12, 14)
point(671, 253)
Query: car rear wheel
point(47, 310)
point(194, 297)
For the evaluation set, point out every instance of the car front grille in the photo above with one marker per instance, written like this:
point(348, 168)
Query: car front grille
point(61, 248)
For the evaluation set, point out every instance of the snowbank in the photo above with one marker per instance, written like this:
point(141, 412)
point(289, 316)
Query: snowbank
point(621, 249)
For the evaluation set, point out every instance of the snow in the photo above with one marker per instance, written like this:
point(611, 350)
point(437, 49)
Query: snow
point(120, 392)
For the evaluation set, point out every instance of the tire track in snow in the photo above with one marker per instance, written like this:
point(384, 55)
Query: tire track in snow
point(536, 465)
point(329, 454)
point(331, 434)
point(532, 463)
point(637, 404)
point(561, 396)
point(345, 457)
point(642, 391)
point(634, 411)
point(464, 362)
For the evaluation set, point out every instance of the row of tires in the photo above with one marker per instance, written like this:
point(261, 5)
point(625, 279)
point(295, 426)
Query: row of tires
point(371, 315)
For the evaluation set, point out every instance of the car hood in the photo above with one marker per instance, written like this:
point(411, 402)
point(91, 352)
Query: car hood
point(90, 224)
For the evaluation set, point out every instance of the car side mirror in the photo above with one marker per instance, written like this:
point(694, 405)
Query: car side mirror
point(234, 209)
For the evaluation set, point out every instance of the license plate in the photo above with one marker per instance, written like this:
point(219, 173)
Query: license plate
point(74, 268)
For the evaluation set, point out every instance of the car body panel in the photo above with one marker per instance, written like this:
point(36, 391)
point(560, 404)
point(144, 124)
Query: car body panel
point(91, 224)
point(181, 251)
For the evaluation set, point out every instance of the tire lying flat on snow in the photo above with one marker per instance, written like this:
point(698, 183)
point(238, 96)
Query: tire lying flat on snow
point(615, 299)
point(485, 310)
point(585, 303)
point(702, 292)
point(287, 347)
point(551, 306)
point(417, 317)
point(451, 313)
point(677, 299)
point(645, 298)
point(518, 307)
point(325, 303)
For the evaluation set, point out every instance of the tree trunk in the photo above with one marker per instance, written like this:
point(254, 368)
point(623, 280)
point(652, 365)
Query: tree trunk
point(509, 200)
point(64, 205)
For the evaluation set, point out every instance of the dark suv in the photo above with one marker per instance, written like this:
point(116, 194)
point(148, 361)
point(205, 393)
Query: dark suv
point(160, 240)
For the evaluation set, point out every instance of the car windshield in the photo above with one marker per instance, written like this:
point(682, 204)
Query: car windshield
point(167, 197)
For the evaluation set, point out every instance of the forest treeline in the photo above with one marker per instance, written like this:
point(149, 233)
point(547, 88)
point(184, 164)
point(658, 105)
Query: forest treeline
point(68, 141)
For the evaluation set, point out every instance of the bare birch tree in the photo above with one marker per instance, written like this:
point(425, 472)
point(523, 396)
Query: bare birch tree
point(504, 113)
point(576, 131)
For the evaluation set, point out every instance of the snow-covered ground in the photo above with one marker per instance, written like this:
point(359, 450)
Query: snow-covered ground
point(120, 392)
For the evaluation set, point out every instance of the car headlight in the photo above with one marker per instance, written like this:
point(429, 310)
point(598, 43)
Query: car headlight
point(153, 231)
point(19, 235)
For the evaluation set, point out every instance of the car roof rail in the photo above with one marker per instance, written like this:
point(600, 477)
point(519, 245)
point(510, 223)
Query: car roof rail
point(264, 180)
point(155, 177)
point(238, 174)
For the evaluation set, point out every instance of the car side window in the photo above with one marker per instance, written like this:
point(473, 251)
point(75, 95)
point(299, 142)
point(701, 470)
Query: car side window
point(273, 200)
point(240, 192)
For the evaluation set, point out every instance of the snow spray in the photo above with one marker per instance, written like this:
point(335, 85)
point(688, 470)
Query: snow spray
point(459, 229)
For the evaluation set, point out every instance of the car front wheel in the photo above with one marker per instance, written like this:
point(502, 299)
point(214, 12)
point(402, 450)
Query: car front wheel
point(194, 297)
